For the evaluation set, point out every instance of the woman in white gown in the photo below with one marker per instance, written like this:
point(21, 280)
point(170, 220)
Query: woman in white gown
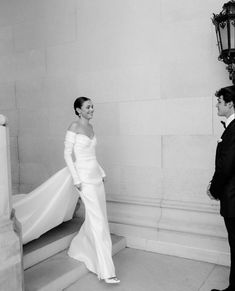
point(92, 245)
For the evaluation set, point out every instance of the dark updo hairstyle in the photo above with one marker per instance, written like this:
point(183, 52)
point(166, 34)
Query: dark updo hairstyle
point(228, 94)
point(79, 102)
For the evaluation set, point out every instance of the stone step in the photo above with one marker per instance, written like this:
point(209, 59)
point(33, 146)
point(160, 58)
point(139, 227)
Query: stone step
point(50, 243)
point(60, 271)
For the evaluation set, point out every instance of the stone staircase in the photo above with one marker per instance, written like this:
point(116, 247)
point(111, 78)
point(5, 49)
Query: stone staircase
point(46, 263)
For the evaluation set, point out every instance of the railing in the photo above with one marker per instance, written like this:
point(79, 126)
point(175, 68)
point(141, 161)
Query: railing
point(5, 170)
point(11, 266)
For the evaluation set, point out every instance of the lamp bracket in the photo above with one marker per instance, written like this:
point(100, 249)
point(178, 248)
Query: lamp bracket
point(231, 70)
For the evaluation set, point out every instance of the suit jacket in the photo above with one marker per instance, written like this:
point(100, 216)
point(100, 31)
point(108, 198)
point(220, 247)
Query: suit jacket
point(223, 181)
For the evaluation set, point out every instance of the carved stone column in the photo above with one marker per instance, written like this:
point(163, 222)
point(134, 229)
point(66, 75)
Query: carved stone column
point(11, 271)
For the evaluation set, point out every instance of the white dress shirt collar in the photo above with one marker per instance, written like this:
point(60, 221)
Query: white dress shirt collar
point(230, 119)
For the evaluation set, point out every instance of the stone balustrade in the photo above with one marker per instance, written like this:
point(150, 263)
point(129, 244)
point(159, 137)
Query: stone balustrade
point(11, 271)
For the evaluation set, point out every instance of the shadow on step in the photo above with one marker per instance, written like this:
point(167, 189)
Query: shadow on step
point(51, 242)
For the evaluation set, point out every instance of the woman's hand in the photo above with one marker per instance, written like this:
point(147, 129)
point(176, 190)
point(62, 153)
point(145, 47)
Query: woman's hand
point(78, 186)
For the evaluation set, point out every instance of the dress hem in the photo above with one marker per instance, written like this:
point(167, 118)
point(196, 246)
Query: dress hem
point(90, 269)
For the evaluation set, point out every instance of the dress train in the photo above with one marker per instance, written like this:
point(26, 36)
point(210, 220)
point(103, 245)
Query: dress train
point(47, 206)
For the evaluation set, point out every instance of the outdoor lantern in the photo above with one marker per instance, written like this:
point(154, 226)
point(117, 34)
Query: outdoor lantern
point(225, 32)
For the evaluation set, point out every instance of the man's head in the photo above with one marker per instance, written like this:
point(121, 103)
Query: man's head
point(226, 101)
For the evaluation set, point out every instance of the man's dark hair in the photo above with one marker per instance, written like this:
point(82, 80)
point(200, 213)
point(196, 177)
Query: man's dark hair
point(228, 94)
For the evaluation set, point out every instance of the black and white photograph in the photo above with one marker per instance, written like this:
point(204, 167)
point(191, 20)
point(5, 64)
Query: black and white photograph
point(117, 145)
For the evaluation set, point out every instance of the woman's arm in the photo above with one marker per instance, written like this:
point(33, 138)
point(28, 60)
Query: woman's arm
point(68, 149)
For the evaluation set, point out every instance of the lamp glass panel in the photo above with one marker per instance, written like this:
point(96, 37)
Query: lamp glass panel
point(224, 35)
point(218, 40)
point(232, 33)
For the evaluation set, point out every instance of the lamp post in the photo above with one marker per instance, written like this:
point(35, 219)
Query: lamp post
point(225, 32)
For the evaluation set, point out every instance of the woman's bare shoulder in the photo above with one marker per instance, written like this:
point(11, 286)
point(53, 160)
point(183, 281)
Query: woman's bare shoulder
point(74, 127)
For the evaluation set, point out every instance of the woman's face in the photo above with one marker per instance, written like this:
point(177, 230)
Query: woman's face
point(87, 110)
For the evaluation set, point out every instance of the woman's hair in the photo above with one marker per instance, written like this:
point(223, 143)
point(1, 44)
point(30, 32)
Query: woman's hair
point(79, 102)
point(228, 94)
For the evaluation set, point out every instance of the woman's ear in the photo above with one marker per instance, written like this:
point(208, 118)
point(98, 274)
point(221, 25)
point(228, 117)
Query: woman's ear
point(79, 112)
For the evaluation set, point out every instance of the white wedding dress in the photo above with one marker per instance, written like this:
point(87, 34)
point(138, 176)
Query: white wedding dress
point(92, 245)
point(47, 206)
point(55, 200)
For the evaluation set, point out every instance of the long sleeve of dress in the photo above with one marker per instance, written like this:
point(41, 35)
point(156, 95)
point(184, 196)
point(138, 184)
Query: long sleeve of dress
point(68, 149)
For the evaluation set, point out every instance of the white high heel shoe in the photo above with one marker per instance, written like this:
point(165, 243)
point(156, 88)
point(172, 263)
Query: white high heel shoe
point(113, 280)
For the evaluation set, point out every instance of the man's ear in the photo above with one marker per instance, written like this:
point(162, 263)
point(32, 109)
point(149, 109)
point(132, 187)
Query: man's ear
point(230, 104)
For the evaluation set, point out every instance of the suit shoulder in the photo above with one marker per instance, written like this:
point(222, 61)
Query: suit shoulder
point(233, 123)
point(231, 127)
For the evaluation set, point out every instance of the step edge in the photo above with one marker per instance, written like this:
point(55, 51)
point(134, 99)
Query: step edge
point(77, 272)
point(47, 251)
point(64, 280)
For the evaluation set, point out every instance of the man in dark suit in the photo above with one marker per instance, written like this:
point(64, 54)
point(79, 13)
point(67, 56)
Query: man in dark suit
point(222, 185)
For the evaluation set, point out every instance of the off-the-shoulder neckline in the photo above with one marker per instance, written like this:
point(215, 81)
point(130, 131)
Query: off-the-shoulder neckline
point(91, 138)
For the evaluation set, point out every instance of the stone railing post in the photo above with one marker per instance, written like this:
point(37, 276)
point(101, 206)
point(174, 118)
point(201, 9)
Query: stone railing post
point(11, 271)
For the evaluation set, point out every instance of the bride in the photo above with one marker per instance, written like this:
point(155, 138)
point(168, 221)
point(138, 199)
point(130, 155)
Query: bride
point(55, 200)
point(92, 245)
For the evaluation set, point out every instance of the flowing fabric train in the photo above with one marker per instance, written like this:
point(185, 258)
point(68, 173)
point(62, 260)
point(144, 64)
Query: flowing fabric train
point(47, 206)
